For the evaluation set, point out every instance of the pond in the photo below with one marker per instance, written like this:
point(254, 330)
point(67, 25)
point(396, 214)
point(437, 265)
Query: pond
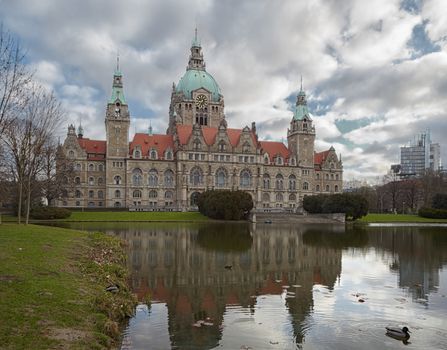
point(244, 286)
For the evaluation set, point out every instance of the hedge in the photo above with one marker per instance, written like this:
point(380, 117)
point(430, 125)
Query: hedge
point(49, 213)
point(225, 204)
point(353, 205)
point(433, 213)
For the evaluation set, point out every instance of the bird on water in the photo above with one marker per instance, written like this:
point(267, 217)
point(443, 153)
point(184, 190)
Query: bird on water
point(398, 333)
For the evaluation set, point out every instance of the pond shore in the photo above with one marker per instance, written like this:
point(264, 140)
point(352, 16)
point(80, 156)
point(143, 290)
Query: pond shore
point(53, 283)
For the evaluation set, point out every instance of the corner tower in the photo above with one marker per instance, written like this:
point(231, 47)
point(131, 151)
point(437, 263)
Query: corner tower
point(117, 119)
point(196, 99)
point(301, 134)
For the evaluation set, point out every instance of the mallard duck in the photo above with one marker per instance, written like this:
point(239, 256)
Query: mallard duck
point(398, 333)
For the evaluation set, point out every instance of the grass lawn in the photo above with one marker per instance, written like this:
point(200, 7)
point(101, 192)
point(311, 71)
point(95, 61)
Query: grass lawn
point(52, 288)
point(398, 218)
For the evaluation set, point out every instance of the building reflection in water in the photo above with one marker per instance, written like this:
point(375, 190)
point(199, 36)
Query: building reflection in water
point(200, 270)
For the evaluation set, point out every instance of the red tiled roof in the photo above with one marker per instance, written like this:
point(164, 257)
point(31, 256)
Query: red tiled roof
point(320, 157)
point(209, 134)
point(147, 142)
point(93, 146)
point(274, 148)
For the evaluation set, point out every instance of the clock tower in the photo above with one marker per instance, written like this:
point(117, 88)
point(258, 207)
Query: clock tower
point(117, 120)
point(196, 99)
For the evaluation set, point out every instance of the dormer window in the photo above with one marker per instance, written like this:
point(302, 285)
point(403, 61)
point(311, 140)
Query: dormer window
point(168, 155)
point(137, 154)
point(71, 154)
point(222, 146)
point(266, 159)
point(279, 160)
point(153, 154)
point(246, 147)
point(197, 145)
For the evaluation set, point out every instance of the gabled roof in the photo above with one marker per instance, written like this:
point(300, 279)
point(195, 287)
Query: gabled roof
point(274, 148)
point(147, 142)
point(209, 134)
point(320, 157)
point(93, 146)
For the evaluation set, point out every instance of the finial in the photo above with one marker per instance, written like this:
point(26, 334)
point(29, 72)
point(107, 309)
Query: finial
point(150, 128)
point(301, 82)
point(117, 60)
point(195, 34)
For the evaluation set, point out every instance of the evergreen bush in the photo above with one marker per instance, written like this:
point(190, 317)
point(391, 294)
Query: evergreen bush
point(49, 213)
point(225, 204)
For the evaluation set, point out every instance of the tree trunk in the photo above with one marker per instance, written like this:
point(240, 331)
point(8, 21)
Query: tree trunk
point(28, 200)
point(19, 206)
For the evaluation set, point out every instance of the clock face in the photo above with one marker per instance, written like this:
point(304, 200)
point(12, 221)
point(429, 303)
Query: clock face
point(201, 101)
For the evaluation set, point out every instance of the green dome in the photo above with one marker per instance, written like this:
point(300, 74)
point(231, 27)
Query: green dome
point(195, 79)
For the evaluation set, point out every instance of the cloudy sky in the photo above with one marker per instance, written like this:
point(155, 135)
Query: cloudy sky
point(374, 71)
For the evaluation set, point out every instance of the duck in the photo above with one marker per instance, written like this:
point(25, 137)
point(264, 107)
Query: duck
point(397, 333)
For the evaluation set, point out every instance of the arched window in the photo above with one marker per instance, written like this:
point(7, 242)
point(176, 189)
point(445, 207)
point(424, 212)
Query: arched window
point(318, 176)
point(153, 194)
point(91, 181)
point(221, 177)
point(77, 180)
point(169, 195)
point(266, 159)
point(222, 146)
point(153, 178)
point(292, 182)
point(317, 188)
point(78, 194)
point(71, 154)
point(78, 167)
point(117, 180)
point(327, 188)
point(91, 194)
point(100, 167)
point(91, 204)
point(136, 194)
point(169, 178)
point(327, 176)
point(194, 198)
point(196, 176)
point(336, 188)
point(78, 203)
point(279, 182)
point(117, 205)
point(137, 154)
point(246, 147)
point(332, 165)
point(137, 177)
point(117, 194)
point(153, 154)
point(332, 176)
point(292, 197)
point(100, 194)
point(100, 181)
point(305, 185)
point(278, 160)
point(197, 145)
point(266, 197)
point(336, 176)
point(279, 197)
point(266, 181)
point(245, 178)
point(292, 161)
point(168, 155)
point(91, 167)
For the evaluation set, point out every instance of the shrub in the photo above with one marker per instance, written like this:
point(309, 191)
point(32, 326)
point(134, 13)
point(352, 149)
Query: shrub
point(433, 213)
point(49, 213)
point(353, 205)
point(225, 204)
point(439, 201)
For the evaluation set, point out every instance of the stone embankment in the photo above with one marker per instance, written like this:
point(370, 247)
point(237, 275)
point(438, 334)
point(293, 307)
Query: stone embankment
point(337, 218)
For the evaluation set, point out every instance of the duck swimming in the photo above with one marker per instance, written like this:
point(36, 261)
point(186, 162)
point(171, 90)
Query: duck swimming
point(397, 333)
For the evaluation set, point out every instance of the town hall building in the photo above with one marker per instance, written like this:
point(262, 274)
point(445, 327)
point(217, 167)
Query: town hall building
point(198, 152)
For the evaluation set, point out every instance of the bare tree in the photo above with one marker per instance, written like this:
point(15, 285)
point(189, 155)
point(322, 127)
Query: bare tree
point(32, 128)
point(14, 76)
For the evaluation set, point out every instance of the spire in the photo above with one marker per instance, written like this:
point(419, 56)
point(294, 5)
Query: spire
point(117, 86)
point(301, 109)
point(195, 42)
point(80, 131)
point(196, 58)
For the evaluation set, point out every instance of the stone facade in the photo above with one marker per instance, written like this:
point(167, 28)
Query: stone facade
point(198, 152)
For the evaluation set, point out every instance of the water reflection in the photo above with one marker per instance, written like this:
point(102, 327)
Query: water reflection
point(285, 286)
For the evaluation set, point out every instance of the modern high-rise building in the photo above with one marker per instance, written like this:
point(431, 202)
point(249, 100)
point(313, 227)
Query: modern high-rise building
point(419, 156)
